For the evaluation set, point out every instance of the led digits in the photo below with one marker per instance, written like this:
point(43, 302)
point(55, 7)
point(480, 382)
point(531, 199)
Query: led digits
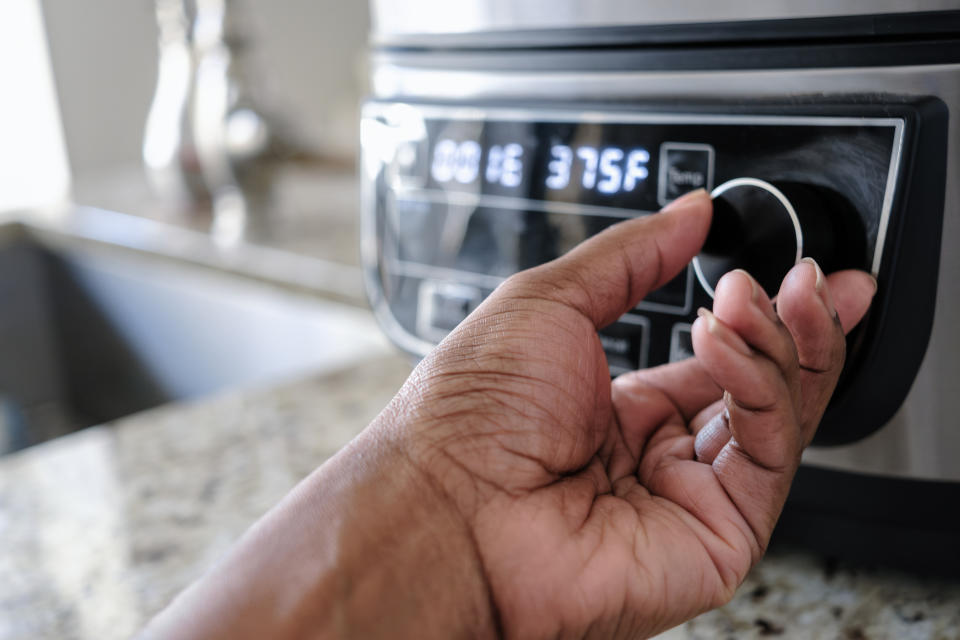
point(636, 168)
point(559, 166)
point(468, 162)
point(512, 165)
point(616, 173)
point(444, 159)
point(590, 159)
point(610, 170)
point(454, 160)
point(505, 165)
point(494, 164)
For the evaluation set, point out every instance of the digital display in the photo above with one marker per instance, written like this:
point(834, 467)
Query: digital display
point(507, 178)
point(607, 170)
point(574, 162)
point(619, 169)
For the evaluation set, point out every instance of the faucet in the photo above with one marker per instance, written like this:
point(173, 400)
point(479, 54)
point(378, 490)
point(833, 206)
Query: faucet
point(207, 145)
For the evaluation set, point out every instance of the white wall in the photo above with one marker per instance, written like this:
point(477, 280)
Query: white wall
point(33, 163)
point(307, 60)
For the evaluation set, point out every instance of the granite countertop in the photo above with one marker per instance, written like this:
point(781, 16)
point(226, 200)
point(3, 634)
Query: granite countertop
point(102, 528)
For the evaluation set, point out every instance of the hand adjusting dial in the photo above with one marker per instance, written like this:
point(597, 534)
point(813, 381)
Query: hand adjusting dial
point(767, 228)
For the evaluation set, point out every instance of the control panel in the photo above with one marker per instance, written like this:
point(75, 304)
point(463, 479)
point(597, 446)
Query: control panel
point(457, 198)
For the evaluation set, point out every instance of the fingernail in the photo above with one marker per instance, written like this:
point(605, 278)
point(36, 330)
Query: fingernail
point(754, 287)
point(876, 284)
point(724, 334)
point(686, 199)
point(821, 286)
point(758, 296)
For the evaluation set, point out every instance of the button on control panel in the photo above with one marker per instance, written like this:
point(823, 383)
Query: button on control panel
point(626, 343)
point(681, 342)
point(675, 297)
point(444, 305)
point(684, 167)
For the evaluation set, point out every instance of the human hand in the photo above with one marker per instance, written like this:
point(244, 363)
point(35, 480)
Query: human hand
point(510, 489)
point(624, 509)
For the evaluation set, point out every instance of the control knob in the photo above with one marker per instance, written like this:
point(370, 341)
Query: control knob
point(767, 228)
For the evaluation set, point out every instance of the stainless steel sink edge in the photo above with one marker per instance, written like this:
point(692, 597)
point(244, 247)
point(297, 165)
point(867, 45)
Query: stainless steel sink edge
point(103, 315)
point(82, 224)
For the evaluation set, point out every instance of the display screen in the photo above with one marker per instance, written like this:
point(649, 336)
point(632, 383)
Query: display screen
point(497, 193)
point(497, 196)
point(608, 170)
point(551, 161)
point(494, 196)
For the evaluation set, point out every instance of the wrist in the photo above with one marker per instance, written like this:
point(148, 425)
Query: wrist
point(365, 547)
point(407, 564)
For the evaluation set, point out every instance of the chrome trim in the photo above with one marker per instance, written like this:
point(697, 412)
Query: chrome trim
point(620, 115)
point(443, 274)
point(784, 201)
point(415, 17)
point(369, 176)
point(893, 172)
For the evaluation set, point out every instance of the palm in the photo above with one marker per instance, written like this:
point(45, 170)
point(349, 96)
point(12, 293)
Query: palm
point(603, 527)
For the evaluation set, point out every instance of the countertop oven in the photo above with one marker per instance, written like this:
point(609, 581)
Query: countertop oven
point(500, 134)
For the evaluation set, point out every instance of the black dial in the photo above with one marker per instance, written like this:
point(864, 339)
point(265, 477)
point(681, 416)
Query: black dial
point(766, 228)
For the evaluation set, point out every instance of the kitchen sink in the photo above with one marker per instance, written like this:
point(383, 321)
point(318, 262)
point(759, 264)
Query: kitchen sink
point(91, 332)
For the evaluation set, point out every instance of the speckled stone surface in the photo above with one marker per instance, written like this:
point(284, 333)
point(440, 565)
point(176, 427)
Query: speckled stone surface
point(797, 595)
point(102, 528)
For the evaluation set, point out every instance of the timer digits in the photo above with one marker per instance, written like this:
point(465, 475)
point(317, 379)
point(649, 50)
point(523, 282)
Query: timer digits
point(460, 161)
point(505, 165)
point(454, 160)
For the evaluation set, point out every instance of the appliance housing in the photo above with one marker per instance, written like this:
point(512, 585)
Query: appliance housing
point(856, 106)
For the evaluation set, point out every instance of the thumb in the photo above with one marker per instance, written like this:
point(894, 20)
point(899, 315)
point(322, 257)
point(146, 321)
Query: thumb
point(606, 275)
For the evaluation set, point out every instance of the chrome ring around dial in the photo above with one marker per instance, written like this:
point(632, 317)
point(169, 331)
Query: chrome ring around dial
point(776, 193)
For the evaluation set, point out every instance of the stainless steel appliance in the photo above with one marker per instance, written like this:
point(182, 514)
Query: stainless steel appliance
point(500, 134)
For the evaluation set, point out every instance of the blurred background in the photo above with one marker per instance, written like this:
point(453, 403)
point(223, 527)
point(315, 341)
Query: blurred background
point(179, 250)
point(304, 61)
point(178, 203)
point(294, 70)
